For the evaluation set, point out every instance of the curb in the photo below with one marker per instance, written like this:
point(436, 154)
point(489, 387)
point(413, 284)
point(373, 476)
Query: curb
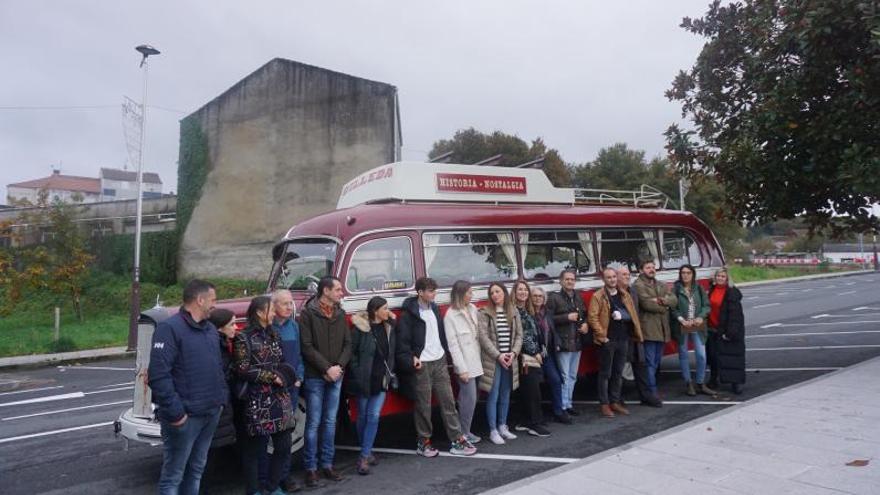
point(63, 357)
point(805, 277)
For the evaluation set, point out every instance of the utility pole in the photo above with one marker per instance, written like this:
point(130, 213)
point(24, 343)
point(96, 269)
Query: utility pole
point(134, 315)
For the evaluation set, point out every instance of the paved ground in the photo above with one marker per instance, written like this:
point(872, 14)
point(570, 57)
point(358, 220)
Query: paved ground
point(56, 437)
point(820, 438)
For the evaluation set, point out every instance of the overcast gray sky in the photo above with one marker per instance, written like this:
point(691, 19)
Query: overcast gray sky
point(580, 74)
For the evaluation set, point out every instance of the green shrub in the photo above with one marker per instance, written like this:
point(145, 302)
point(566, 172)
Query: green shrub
point(63, 344)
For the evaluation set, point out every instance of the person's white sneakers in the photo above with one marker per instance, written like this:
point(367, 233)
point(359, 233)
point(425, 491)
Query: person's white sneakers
point(505, 432)
point(495, 438)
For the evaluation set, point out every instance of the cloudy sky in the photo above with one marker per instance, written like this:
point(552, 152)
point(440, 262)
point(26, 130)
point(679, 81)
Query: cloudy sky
point(580, 74)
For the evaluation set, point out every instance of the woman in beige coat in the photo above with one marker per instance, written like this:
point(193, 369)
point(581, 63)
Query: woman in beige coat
point(501, 336)
point(460, 323)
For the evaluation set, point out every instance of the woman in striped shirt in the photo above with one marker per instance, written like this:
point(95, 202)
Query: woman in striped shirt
point(500, 336)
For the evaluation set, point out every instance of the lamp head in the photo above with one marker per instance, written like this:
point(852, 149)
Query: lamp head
point(146, 51)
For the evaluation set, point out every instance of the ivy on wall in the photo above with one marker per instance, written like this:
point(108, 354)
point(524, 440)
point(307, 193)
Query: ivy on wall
point(192, 170)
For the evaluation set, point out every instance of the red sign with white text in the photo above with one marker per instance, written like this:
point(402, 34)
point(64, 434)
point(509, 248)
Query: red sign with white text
point(493, 184)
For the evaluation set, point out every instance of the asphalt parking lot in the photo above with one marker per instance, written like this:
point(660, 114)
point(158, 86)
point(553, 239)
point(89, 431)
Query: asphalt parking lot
point(56, 433)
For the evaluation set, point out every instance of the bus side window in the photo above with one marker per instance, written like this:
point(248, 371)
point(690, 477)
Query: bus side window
point(546, 253)
point(679, 249)
point(627, 247)
point(473, 256)
point(381, 264)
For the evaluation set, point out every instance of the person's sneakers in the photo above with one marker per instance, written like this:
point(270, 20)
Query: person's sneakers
point(312, 479)
point(506, 433)
point(462, 447)
point(537, 430)
point(652, 402)
point(563, 418)
point(572, 412)
point(278, 491)
point(619, 408)
point(521, 427)
point(705, 390)
point(332, 474)
point(495, 438)
point(473, 439)
point(690, 390)
point(363, 466)
point(605, 411)
point(425, 449)
point(290, 485)
point(372, 461)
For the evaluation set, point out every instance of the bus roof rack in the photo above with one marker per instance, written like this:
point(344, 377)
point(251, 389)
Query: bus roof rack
point(643, 197)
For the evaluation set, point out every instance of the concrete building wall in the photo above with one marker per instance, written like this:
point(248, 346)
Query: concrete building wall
point(282, 143)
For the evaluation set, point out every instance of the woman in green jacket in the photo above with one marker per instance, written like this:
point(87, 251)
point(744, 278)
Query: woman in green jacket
point(688, 323)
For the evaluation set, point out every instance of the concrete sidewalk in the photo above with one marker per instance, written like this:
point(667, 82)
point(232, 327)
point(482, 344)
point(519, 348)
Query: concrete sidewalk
point(810, 438)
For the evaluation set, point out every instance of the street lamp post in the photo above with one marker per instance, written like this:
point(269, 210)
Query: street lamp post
point(134, 315)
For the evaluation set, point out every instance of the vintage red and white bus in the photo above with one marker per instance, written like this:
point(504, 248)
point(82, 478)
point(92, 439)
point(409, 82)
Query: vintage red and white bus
point(405, 220)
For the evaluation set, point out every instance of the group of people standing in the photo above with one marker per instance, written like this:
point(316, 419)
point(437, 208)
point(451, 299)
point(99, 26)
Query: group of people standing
point(522, 338)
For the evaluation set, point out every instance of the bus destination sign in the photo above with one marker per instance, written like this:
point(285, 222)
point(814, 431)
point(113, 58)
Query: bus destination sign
point(493, 184)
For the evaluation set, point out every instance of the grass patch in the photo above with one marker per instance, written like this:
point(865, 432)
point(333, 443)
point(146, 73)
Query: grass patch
point(756, 273)
point(29, 327)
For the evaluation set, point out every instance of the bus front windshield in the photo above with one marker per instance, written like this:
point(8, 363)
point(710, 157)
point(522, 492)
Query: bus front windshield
point(304, 262)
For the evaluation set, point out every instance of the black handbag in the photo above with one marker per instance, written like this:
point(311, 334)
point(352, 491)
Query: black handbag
point(389, 381)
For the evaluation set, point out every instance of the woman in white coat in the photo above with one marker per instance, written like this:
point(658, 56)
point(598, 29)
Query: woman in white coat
point(460, 323)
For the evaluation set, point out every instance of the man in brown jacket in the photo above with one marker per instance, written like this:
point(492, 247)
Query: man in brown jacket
point(326, 350)
point(614, 321)
point(655, 299)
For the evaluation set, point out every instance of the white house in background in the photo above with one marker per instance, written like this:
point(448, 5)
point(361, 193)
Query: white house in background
point(59, 186)
point(848, 252)
point(122, 184)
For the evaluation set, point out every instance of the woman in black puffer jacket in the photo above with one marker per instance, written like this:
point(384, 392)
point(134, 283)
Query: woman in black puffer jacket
point(266, 409)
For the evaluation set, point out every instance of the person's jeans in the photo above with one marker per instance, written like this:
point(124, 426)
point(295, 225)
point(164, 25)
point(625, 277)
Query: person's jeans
point(264, 460)
point(322, 404)
point(640, 371)
point(369, 409)
point(498, 402)
point(554, 382)
point(684, 360)
point(568, 368)
point(653, 355)
point(255, 448)
point(467, 402)
point(609, 382)
point(185, 453)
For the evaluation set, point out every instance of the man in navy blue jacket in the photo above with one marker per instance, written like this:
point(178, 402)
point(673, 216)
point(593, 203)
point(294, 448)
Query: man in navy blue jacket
point(189, 388)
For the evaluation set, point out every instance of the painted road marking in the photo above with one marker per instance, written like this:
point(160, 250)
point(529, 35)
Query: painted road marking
point(116, 385)
point(753, 297)
point(826, 315)
point(109, 390)
point(48, 398)
point(774, 325)
point(847, 293)
point(499, 457)
point(862, 308)
point(761, 370)
point(767, 335)
point(766, 305)
point(32, 390)
point(104, 368)
point(670, 402)
point(57, 411)
point(816, 347)
point(55, 432)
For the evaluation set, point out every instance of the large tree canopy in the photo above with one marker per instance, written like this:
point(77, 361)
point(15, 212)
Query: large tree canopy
point(471, 146)
point(785, 104)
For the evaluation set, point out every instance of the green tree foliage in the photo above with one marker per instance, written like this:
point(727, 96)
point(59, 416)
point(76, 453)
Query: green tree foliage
point(785, 104)
point(619, 167)
point(471, 146)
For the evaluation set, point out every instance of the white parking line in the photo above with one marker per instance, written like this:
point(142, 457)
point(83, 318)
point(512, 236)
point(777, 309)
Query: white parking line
point(826, 315)
point(55, 432)
point(814, 347)
point(766, 305)
point(499, 457)
point(48, 398)
point(32, 390)
point(669, 402)
point(805, 334)
point(104, 368)
point(108, 390)
point(761, 370)
point(57, 411)
point(862, 308)
point(847, 293)
point(776, 325)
